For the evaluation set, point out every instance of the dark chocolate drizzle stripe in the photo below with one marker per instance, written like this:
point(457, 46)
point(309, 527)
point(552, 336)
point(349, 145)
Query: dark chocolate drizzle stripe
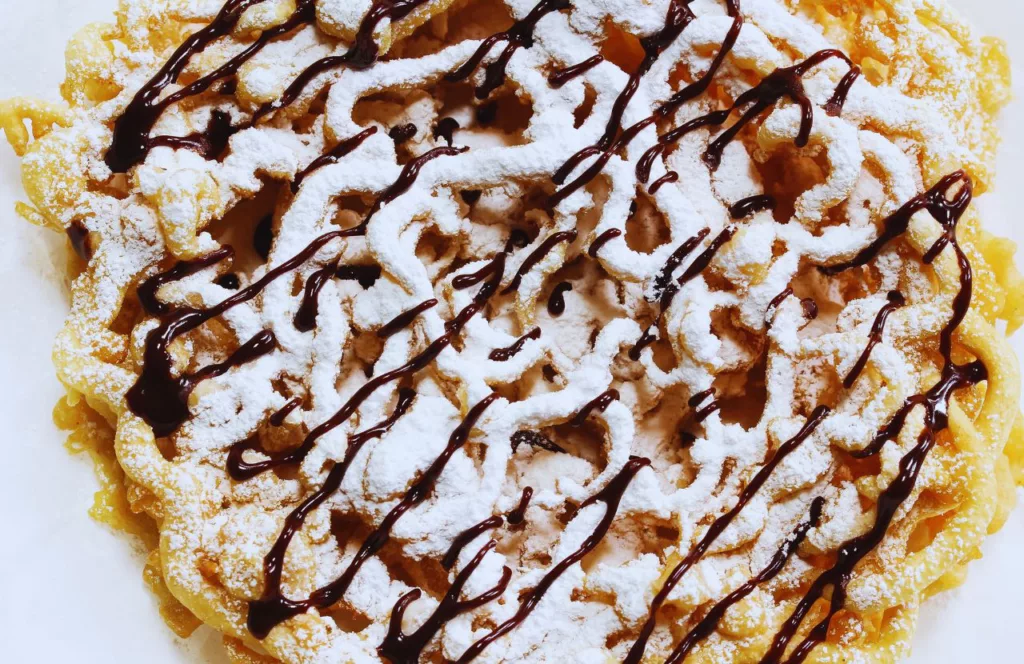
point(401, 648)
point(556, 301)
point(537, 256)
point(678, 14)
point(560, 77)
point(667, 178)
point(518, 515)
point(636, 652)
point(467, 536)
point(610, 495)
point(714, 616)
point(505, 354)
point(405, 319)
point(599, 403)
point(602, 240)
point(935, 402)
point(274, 608)
point(669, 290)
point(534, 439)
point(519, 35)
point(895, 300)
point(334, 155)
point(746, 207)
point(834, 106)
point(278, 418)
point(147, 290)
point(773, 306)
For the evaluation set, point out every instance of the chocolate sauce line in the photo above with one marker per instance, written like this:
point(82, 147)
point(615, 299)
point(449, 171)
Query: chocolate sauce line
point(636, 652)
point(467, 536)
point(602, 240)
point(707, 626)
point(834, 106)
point(405, 319)
point(274, 608)
point(556, 302)
point(241, 469)
point(701, 414)
point(749, 206)
point(147, 290)
point(534, 439)
point(691, 91)
point(599, 403)
point(537, 256)
point(401, 648)
point(610, 495)
point(278, 418)
point(505, 354)
point(560, 77)
point(935, 403)
point(519, 35)
point(334, 155)
point(518, 515)
point(773, 306)
point(895, 301)
point(669, 290)
point(667, 178)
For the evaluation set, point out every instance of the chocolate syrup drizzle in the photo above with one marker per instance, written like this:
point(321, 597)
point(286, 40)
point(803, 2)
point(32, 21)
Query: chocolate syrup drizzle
point(749, 206)
point(603, 239)
point(895, 301)
point(560, 77)
point(935, 402)
point(505, 354)
point(147, 290)
point(519, 35)
point(701, 414)
point(518, 515)
point(599, 403)
point(274, 608)
point(671, 176)
point(773, 306)
point(401, 648)
point(537, 256)
point(278, 418)
point(556, 302)
point(534, 439)
point(668, 290)
point(714, 616)
point(636, 652)
point(340, 150)
point(611, 495)
point(405, 319)
point(467, 536)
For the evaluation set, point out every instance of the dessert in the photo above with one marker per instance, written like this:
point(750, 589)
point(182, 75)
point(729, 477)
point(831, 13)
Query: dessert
point(434, 330)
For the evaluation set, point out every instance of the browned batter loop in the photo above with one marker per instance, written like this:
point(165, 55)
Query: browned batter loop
point(519, 35)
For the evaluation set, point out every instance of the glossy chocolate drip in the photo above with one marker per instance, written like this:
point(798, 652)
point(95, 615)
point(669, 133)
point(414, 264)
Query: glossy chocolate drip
point(935, 403)
point(701, 414)
point(537, 256)
point(671, 176)
point(773, 306)
point(611, 495)
point(405, 319)
point(691, 91)
point(895, 301)
point(147, 290)
point(707, 626)
point(78, 234)
point(156, 395)
point(241, 469)
point(274, 608)
point(334, 155)
point(534, 439)
point(467, 536)
point(278, 418)
point(263, 237)
point(309, 307)
point(560, 77)
point(669, 290)
point(518, 515)
point(519, 35)
point(600, 403)
point(556, 302)
point(602, 240)
point(401, 648)
point(783, 82)
point(834, 106)
point(445, 129)
point(402, 133)
point(131, 141)
point(366, 275)
point(636, 652)
point(230, 281)
point(505, 354)
point(749, 206)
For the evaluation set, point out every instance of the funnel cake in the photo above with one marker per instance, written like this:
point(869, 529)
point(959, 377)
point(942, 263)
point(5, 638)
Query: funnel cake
point(557, 331)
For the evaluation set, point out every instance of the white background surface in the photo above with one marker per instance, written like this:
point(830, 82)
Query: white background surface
point(71, 591)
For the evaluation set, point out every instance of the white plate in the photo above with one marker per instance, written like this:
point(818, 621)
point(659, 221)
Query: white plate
point(73, 592)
